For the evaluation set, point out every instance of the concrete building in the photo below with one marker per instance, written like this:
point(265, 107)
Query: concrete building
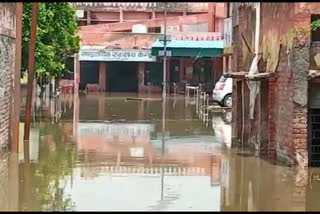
point(117, 38)
point(283, 124)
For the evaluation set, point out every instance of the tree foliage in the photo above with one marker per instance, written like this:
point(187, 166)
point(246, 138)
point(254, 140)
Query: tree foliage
point(315, 25)
point(57, 38)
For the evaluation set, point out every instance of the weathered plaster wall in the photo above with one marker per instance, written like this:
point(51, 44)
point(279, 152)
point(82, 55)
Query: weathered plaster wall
point(299, 65)
point(7, 65)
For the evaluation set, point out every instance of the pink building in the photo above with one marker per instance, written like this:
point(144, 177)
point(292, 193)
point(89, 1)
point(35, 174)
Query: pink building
point(117, 41)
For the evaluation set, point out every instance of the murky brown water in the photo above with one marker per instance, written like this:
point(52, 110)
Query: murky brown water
point(105, 153)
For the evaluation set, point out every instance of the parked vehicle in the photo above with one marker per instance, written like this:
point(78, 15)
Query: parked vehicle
point(222, 92)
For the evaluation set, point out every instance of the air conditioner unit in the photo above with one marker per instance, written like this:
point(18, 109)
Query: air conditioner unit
point(139, 28)
point(80, 13)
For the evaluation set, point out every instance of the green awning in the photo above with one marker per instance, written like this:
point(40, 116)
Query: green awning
point(184, 48)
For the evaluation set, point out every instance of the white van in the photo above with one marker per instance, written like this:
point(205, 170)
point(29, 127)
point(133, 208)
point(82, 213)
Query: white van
point(222, 92)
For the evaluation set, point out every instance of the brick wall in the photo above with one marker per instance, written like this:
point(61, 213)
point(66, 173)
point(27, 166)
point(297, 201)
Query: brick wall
point(7, 59)
point(287, 130)
point(283, 110)
point(271, 125)
point(286, 95)
point(300, 150)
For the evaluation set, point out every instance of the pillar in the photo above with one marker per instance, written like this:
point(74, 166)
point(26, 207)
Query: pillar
point(121, 15)
point(76, 73)
point(88, 17)
point(180, 22)
point(230, 64)
point(141, 71)
point(102, 76)
point(181, 67)
point(225, 65)
point(212, 17)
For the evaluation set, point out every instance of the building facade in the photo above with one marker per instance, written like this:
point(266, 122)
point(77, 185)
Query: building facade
point(283, 123)
point(117, 38)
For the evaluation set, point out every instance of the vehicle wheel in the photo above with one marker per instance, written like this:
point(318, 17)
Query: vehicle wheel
point(221, 104)
point(227, 101)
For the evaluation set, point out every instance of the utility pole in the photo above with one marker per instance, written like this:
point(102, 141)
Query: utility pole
point(165, 53)
point(164, 90)
point(31, 65)
point(164, 96)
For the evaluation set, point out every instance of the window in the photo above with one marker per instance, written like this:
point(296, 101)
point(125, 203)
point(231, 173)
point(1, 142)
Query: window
point(154, 30)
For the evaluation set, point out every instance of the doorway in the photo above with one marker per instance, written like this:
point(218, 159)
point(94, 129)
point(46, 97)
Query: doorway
point(122, 77)
point(89, 73)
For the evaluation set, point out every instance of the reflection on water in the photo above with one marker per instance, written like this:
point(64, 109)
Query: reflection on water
point(106, 153)
point(221, 125)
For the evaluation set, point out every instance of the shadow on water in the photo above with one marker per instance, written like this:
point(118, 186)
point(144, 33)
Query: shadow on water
point(104, 153)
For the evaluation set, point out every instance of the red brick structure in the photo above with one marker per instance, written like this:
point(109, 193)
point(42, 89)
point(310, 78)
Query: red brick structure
point(279, 129)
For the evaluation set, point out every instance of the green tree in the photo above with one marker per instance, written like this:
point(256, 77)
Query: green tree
point(315, 24)
point(57, 39)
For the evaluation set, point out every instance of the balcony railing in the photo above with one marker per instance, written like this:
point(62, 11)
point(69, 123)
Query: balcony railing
point(147, 5)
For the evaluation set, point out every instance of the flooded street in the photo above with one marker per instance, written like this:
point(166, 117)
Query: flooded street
point(108, 153)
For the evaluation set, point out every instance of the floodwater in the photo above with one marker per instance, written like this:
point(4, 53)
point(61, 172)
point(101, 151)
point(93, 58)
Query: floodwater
point(106, 153)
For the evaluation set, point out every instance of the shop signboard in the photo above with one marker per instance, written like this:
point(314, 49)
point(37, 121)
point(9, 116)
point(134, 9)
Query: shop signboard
point(127, 55)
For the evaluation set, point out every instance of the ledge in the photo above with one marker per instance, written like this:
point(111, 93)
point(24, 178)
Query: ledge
point(245, 75)
point(259, 76)
point(236, 75)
